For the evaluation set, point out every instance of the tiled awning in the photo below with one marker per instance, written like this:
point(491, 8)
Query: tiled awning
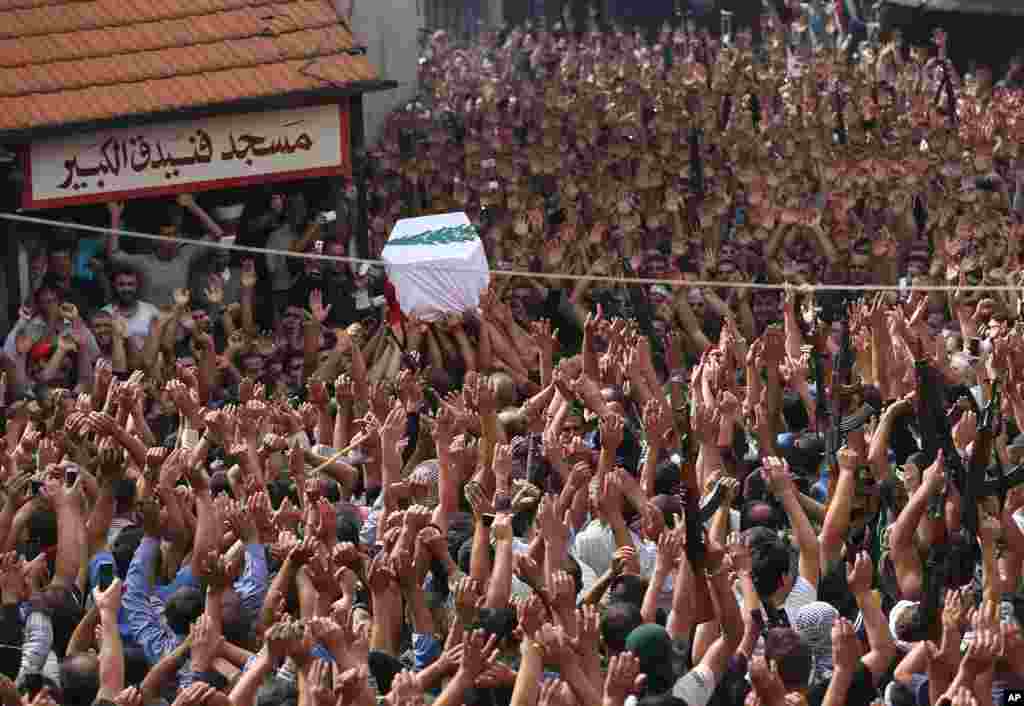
point(68, 62)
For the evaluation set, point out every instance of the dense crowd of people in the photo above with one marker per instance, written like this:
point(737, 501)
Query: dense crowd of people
point(255, 481)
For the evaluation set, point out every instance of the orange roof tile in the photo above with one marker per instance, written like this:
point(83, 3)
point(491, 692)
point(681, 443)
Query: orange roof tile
point(74, 61)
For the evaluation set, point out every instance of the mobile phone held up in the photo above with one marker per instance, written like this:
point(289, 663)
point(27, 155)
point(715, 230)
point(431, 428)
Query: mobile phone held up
point(105, 576)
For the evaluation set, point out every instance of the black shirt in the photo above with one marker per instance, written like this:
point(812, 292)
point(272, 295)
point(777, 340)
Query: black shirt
point(862, 689)
point(337, 292)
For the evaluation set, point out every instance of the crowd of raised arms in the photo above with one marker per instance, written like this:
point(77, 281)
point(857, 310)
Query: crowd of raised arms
point(241, 481)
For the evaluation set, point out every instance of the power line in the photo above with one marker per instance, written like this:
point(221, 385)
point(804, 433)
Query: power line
point(608, 279)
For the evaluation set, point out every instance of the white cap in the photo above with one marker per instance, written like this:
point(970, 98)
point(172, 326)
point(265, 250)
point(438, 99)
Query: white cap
point(229, 213)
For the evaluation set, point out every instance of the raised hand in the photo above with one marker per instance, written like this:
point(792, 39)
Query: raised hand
point(475, 653)
point(860, 576)
point(380, 576)
point(242, 520)
point(983, 651)
point(287, 516)
point(953, 613)
point(552, 526)
point(318, 681)
point(248, 276)
point(13, 578)
point(214, 291)
point(285, 639)
point(845, 646)
point(405, 691)
point(623, 679)
point(849, 459)
point(934, 476)
point(706, 424)
point(344, 390)
point(671, 545)
point(129, 697)
point(612, 432)
point(316, 306)
point(767, 684)
point(503, 464)
point(478, 500)
point(556, 645)
point(625, 562)
point(393, 428)
point(966, 430)
point(501, 529)
point(556, 693)
point(108, 602)
point(410, 391)
point(544, 338)
point(206, 643)
point(181, 299)
point(468, 599)
point(657, 423)
point(776, 473)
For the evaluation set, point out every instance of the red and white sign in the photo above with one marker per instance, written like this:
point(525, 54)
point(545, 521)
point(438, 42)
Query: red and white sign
point(199, 155)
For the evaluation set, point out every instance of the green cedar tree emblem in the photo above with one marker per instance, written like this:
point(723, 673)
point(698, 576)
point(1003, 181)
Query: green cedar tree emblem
point(442, 236)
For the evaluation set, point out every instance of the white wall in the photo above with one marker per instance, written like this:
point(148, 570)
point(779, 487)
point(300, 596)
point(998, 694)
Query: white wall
point(389, 28)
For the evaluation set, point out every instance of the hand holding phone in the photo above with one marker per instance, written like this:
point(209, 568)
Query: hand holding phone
point(105, 577)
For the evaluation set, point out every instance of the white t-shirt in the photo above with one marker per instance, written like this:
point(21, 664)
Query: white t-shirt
point(696, 687)
point(139, 322)
point(160, 277)
point(595, 546)
point(281, 278)
point(1018, 517)
point(802, 594)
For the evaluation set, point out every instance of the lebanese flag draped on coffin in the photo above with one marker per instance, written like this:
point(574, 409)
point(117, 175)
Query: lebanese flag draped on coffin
point(437, 265)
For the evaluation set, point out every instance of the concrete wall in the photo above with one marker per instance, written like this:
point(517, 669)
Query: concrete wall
point(390, 30)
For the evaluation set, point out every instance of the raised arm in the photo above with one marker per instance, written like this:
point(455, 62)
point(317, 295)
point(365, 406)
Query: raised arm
point(794, 338)
point(845, 651)
point(784, 489)
point(499, 588)
point(713, 665)
point(880, 637)
point(670, 552)
point(116, 210)
point(903, 550)
point(837, 517)
point(108, 604)
point(878, 453)
point(71, 538)
point(188, 202)
point(141, 619)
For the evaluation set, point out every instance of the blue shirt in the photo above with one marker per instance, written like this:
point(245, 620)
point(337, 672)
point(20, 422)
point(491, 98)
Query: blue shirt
point(142, 619)
point(426, 649)
point(252, 585)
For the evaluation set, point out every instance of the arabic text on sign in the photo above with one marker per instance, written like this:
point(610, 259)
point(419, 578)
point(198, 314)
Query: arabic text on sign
point(140, 154)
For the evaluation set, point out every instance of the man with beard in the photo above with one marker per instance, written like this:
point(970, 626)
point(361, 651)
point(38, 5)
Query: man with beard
point(167, 267)
point(337, 287)
point(138, 315)
point(531, 302)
